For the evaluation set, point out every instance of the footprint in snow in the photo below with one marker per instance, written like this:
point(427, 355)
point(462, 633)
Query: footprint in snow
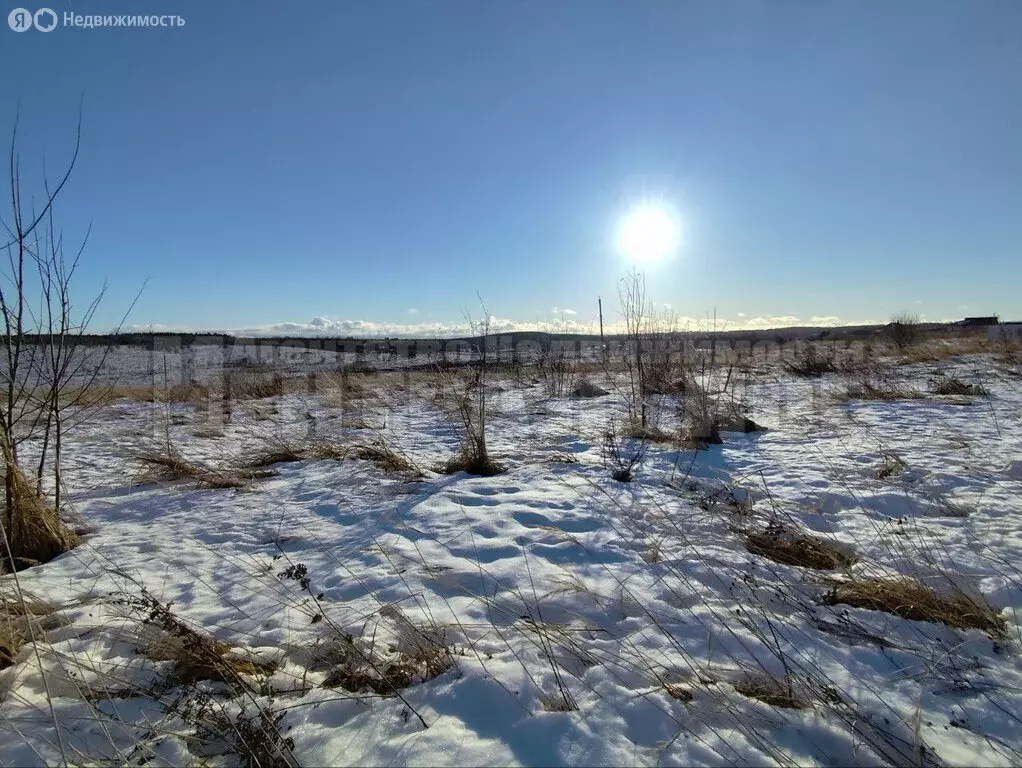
point(575, 525)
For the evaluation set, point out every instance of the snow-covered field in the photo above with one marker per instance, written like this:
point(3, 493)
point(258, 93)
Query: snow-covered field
point(547, 615)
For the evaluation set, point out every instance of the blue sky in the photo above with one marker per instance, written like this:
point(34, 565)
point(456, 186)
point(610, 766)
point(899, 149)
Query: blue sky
point(379, 163)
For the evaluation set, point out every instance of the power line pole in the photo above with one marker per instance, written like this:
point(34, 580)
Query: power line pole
point(603, 346)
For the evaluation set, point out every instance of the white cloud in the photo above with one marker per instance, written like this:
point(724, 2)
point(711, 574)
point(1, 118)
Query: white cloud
point(563, 311)
point(413, 311)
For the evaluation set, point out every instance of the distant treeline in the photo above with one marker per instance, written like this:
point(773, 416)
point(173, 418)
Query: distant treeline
point(167, 341)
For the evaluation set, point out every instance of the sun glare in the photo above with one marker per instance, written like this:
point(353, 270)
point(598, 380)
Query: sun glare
point(648, 233)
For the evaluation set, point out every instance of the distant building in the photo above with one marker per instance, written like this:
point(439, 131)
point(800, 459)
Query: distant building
point(976, 322)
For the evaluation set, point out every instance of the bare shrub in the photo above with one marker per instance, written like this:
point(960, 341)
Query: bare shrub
point(903, 330)
point(47, 370)
point(623, 456)
point(256, 738)
point(810, 362)
point(655, 357)
point(557, 367)
point(702, 415)
point(466, 397)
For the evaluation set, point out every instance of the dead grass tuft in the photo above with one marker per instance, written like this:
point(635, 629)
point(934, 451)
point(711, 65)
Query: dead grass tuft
point(892, 465)
point(473, 464)
point(866, 389)
point(324, 451)
point(949, 385)
point(911, 599)
point(280, 452)
point(635, 430)
point(788, 547)
point(35, 533)
point(381, 453)
point(585, 388)
point(560, 702)
point(770, 691)
point(358, 667)
point(254, 384)
point(678, 693)
point(196, 656)
point(20, 621)
point(563, 458)
point(168, 465)
point(179, 393)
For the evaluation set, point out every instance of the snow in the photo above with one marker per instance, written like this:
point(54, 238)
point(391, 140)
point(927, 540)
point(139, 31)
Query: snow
point(634, 606)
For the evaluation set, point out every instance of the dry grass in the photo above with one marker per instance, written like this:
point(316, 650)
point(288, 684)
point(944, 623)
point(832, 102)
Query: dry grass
point(381, 453)
point(788, 547)
point(326, 451)
point(776, 693)
point(913, 600)
point(346, 392)
point(471, 463)
point(563, 458)
point(892, 465)
point(20, 621)
point(283, 451)
point(35, 533)
point(880, 391)
point(559, 702)
point(357, 422)
point(98, 395)
point(279, 452)
point(584, 388)
point(357, 666)
point(950, 385)
point(247, 384)
point(168, 465)
point(196, 656)
point(951, 346)
point(678, 693)
point(652, 433)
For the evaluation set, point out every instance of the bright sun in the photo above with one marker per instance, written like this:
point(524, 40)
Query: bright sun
point(648, 233)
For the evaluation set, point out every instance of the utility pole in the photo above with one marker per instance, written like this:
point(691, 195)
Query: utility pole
point(603, 346)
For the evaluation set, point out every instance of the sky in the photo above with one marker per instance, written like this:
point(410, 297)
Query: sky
point(379, 166)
